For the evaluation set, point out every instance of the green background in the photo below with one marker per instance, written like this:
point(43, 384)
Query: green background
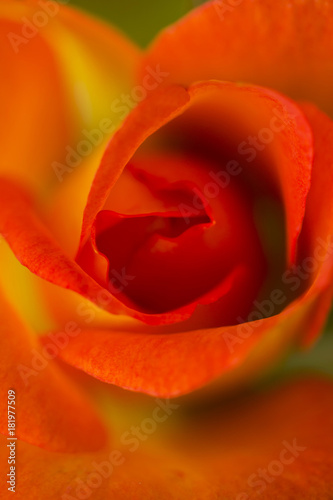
point(141, 20)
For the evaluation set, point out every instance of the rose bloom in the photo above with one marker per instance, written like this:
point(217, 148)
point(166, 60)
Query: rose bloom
point(167, 229)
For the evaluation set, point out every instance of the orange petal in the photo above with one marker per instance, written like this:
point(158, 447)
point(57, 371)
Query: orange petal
point(317, 233)
point(62, 70)
point(51, 411)
point(286, 45)
point(277, 444)
point(170, 365)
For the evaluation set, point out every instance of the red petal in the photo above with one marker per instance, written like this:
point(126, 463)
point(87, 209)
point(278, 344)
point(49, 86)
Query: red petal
point(140, 242)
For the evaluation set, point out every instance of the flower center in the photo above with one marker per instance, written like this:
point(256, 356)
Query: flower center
point(187, 239)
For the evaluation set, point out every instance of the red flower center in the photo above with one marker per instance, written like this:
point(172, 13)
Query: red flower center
point(174, 235)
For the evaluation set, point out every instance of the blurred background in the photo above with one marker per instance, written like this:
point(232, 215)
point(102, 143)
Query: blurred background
point(141, 20)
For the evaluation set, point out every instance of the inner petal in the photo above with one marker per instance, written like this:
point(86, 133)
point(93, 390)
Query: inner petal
point(192, 249)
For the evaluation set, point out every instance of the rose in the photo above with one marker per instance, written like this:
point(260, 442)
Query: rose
point(168, 207)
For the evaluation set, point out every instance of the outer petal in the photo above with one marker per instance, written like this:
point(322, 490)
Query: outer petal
point(286, 45)
point(170, 365)
point(47, 100)
point(33, 102)
point(285, 435)
point(51, 412)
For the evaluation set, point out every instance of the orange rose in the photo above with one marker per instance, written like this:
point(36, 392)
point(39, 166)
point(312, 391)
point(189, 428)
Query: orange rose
point(173, 210)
